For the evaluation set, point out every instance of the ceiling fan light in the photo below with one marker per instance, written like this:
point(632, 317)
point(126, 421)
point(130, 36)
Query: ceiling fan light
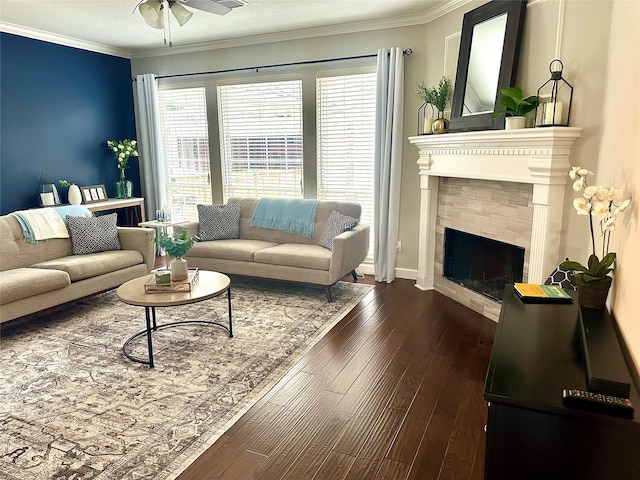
point(182, 14)
point(151, 11)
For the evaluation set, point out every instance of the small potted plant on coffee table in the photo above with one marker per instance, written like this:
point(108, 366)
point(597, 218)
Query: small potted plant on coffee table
point(177, 246)
point(516, 107)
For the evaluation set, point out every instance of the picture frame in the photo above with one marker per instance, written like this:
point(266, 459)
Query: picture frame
point(94, 194)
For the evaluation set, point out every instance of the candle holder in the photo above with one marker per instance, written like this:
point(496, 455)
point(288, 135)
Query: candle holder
point(47, 189)
point(554, 99)
point(425, 119)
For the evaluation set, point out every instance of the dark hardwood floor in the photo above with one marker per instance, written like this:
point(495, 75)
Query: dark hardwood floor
point(393, 391)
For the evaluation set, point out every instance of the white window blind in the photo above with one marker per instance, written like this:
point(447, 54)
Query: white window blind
point(346, 110)
point(183, 119)
point(261, 139)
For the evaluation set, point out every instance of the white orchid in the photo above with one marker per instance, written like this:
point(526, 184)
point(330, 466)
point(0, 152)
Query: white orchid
point(605, 204)
point(599, 209)
point(579, 172)
point(582, 206)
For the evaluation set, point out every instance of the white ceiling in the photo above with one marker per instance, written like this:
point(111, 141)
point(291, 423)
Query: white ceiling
point(111, 25)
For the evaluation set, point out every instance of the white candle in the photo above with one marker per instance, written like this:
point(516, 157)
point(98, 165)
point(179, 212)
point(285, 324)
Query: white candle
point(426, 128)
point(47, 198)
point(549, 117)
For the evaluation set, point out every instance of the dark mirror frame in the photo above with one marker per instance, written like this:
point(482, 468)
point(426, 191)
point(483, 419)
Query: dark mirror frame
point(515, 11)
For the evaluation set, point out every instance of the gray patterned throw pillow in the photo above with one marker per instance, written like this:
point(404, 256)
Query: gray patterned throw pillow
point(93, 234)
point(219, 222)
point(336, 224)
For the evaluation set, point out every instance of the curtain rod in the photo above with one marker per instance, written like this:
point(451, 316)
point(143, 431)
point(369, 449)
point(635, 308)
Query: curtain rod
point(406, 51)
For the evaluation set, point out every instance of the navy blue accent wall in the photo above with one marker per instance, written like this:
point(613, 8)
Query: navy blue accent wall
point(58, 107)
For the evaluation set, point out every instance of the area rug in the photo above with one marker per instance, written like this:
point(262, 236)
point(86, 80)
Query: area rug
point(73, 407)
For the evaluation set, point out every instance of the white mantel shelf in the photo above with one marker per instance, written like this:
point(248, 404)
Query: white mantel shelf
point(538, 156)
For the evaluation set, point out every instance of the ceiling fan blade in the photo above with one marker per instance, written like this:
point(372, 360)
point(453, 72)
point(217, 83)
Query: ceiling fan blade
point(207, 6)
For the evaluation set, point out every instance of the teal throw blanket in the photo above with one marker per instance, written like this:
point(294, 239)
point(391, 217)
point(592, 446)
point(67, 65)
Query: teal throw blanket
point(63, 211)
point(290, 215)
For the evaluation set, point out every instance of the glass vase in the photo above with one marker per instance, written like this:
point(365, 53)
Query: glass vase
point(124, 187)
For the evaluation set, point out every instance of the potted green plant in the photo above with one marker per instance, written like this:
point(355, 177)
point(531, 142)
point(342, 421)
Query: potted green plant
point(177, 246)
point(438, 97)
point(602, 205)
point(516, 107)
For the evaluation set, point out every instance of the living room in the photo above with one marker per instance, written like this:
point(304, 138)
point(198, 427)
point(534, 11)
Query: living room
point(61, 103)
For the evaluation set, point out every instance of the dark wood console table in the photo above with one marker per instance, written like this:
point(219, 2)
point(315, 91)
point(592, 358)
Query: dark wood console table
point(530, 435)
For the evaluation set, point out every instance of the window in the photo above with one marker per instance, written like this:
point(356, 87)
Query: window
point(183, 119)
point(261, 139)
point(346, 110)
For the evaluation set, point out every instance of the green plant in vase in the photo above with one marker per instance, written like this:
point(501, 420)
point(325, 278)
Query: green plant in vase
point(437, 96)
point(515, 106)
point(123, 150)
point(177, 246)
point(603, 206)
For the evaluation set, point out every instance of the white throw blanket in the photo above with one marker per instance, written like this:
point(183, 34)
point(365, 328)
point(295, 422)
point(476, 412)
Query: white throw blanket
point(41, 224)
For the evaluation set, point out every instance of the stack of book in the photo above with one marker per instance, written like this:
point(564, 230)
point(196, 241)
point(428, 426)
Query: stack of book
point(532, 293)
point(153, 285)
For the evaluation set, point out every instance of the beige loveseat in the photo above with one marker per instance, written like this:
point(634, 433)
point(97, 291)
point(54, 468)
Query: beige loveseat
point(270, 253)
point(36, 276)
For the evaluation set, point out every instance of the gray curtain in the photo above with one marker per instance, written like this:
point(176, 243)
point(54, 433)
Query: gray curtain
point(388, 161)
point(151, 158)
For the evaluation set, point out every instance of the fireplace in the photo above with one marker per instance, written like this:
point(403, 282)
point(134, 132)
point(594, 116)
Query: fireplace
point(536, 158)
point(481, 264)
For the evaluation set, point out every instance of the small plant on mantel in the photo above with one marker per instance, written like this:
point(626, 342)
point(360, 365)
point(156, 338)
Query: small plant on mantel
point(437, 96)
point(514, 103)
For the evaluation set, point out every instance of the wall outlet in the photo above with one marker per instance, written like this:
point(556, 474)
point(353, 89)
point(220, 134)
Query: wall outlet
point(399, 246)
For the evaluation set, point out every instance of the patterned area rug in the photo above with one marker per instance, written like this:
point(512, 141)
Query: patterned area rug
point(73, 407)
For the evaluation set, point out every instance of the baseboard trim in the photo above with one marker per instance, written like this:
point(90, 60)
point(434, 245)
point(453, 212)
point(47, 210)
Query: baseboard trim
point(404, 273)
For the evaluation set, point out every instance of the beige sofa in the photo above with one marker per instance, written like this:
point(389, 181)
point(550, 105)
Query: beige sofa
point(37, 276)
point(269, 253)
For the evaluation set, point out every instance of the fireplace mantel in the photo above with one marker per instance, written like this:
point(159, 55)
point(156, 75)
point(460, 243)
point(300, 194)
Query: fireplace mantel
point(538, 156)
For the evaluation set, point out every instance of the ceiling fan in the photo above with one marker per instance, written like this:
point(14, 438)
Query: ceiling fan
point(152, 11)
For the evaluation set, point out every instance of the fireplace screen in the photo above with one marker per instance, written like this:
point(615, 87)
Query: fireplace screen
point(481, 264)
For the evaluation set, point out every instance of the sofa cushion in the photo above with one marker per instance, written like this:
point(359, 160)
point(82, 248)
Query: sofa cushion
point(233, 249)
point(22, 283)
point(337, 223)
point(296, 255)
point(94, 234)
point(218, 222)
point(80, 267)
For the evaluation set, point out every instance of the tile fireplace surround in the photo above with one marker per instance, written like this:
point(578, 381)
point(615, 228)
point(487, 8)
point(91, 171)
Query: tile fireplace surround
point(530, 156)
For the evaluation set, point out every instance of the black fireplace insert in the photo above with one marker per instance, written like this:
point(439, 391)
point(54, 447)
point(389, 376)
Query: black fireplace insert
point(481, 264)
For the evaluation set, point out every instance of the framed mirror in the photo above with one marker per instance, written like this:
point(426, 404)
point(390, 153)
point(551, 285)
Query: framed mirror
point(489, 49)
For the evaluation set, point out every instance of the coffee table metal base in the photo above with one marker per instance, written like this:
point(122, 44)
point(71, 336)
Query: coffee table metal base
point(152, 326)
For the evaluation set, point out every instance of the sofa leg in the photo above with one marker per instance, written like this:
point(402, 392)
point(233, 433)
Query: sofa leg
point(327, 291)
point(355, 276)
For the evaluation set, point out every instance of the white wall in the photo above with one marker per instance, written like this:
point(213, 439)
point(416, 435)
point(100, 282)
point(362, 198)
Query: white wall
point(619, 161)
point(597, 42)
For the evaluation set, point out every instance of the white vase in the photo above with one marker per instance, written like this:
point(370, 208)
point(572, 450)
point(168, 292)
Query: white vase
point(74, 195)
point(179, 269)
point(515, 123)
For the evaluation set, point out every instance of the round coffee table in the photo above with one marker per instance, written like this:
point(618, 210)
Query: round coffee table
point(209, 285)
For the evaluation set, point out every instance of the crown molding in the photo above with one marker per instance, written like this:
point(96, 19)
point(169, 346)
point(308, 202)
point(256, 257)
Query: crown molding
point(303, 33)
point(299, 34)
point(62, 40)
